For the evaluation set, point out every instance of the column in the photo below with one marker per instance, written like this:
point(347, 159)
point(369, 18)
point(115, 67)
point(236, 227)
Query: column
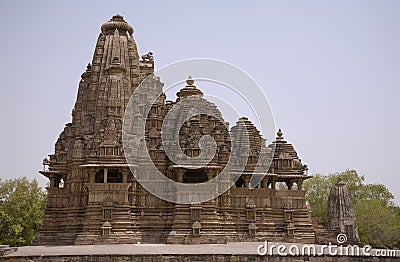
point(179, 174)
point(105, 175)
point(273, 183)
point(125, 175)
point(299, 184)
point(264, 182)
point(246, 182)
point(53, 181)
point(92, 176)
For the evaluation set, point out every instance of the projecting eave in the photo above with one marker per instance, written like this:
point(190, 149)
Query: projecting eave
point(294, 176)
point(51, 173)
point(108, 165)
point(194, 167)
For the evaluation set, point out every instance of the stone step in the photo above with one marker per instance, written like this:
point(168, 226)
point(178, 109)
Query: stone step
point(6, 250)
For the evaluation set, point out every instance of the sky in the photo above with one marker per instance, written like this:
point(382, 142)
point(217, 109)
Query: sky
point(330, 70)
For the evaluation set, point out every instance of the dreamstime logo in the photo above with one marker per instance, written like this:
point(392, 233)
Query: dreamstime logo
point(142, 131)
point(341, 238)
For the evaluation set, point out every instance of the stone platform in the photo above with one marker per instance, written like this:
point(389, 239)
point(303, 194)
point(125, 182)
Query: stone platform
point(243, 251)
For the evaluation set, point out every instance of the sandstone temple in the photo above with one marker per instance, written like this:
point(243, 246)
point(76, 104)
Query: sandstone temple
point(95, 198)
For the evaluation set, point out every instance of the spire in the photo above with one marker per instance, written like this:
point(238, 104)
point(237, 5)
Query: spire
point(190, 89)
point(106, 87)
point(341, 214)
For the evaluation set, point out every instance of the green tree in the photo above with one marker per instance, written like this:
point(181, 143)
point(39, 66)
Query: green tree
point(319, 186)
point(22, 204)
point(378, 225)
point(373, 204)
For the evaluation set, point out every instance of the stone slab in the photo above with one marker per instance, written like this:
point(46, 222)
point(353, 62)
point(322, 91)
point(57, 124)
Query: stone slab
point(233, 248)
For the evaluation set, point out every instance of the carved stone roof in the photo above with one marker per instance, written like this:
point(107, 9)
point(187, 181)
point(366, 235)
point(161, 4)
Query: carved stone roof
point(285, 159)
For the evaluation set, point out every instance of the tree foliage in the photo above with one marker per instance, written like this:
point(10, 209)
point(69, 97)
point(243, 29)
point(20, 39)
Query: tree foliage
point(22, 204)
point(378, 225)
point(377, 216)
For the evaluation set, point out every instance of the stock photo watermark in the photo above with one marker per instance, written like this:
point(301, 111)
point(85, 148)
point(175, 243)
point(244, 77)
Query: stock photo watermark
point(331, 249)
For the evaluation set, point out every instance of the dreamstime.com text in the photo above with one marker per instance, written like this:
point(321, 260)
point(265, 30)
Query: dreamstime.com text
point(270, 249)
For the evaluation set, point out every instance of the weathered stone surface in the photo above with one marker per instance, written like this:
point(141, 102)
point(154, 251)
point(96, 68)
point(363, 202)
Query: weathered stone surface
point(99, 200)
point(6, 250)
point(342, 218)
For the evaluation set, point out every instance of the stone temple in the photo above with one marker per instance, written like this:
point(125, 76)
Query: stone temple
point(95, 198)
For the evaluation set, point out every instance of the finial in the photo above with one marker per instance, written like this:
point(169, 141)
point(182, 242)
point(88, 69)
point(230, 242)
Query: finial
point(190, 81)
point(280, 133)
point(117, 17)
point(340, 181)
point(116, 22)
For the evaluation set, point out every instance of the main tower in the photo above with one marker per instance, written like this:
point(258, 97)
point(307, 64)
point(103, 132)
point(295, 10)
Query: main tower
point(88, 163)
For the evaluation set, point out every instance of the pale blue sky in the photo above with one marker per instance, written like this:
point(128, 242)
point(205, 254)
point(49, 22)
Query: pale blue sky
point(330, 69)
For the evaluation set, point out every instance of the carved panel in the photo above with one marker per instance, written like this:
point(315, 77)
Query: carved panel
point(107, 214)
point(251, 215)
point(195, 214)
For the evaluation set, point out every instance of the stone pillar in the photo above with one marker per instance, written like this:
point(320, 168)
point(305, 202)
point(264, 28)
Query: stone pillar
point(105, 175)
point(53, 181)
point(179, 174)
point(273, 183)
point(299, 184)
point(125, 174)
point(92, 176)
point(246, 182)
point(264, 183)
point(289, 184)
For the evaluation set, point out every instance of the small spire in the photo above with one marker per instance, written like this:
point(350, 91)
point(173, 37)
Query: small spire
point(190, 81)
point(190, 89)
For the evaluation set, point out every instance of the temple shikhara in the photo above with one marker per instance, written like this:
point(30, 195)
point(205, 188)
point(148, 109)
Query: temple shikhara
point(95, 198)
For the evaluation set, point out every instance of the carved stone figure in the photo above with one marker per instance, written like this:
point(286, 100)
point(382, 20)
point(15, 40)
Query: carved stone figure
point(148, 57)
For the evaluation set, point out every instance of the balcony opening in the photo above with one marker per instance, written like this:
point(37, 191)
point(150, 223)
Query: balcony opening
point(99, 178)
point(239, 182)
point(195, 176)
point(114, 176)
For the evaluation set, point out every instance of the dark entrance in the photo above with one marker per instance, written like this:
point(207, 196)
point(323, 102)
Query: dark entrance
point(195, 176)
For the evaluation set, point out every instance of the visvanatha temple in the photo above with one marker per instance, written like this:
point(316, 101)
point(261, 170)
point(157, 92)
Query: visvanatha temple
point(94, 196)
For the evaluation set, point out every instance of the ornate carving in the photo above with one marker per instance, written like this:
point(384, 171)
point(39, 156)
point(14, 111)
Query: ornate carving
point(148, 57)
point(99, 186)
